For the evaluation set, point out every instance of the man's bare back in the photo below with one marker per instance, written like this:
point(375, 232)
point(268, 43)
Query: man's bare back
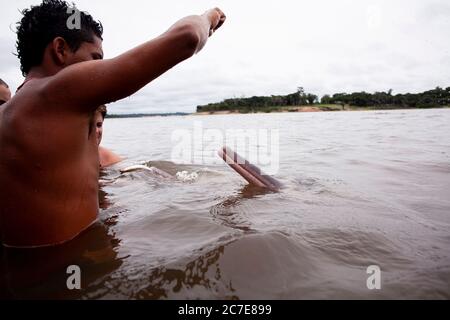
point(49, 162)
point(49, 170)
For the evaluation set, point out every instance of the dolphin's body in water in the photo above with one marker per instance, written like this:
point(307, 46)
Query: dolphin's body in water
point(151, 169)
point(184, 176)
point(248, 171)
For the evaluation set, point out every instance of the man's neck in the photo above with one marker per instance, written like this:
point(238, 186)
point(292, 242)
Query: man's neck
point(41, 71)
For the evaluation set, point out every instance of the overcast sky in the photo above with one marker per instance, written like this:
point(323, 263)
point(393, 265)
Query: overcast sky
point(271, 47)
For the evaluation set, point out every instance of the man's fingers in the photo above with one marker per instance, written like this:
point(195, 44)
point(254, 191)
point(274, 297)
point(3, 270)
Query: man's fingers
point(221, 22)
point(222, 18)
point(216, 18)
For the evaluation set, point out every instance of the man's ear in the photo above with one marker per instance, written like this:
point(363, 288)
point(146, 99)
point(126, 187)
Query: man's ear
point(60, 50)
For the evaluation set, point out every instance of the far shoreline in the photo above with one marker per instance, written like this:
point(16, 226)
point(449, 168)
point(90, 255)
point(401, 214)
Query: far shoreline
point(309, 109)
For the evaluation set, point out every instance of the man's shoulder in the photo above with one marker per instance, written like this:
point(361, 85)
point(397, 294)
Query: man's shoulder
point(36, 95)
point(30, 91)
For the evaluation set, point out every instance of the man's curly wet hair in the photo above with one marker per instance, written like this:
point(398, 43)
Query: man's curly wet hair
point(41, 24)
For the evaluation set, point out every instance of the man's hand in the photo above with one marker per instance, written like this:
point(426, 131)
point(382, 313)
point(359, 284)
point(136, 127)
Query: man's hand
point(210, 21)
point(216, 19)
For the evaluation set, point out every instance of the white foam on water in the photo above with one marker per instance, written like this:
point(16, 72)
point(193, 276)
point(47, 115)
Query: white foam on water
point(185, 176)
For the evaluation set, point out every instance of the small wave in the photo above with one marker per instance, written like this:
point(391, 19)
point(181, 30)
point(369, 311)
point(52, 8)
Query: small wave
point(356, 248)
point(239, 269)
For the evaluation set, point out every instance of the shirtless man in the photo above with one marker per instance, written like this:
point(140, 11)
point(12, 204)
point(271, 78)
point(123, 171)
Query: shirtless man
point(49, 160)
point(5, 93)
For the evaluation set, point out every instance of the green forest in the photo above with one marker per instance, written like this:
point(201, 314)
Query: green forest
point(435, 98)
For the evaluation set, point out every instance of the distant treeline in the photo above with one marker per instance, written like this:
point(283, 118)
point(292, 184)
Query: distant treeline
point(429, 99)
point(141, 115)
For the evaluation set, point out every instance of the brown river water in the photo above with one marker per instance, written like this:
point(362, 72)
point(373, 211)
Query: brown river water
point(360, 189)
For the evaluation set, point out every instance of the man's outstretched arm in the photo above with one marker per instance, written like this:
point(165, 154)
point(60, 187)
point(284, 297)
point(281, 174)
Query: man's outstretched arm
point(90, 84)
